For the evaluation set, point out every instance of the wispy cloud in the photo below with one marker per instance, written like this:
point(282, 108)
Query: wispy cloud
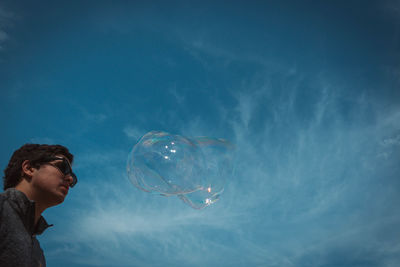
point(3, 37)
point(6, 20)
point(298, 194)
point(42, 140)
point(179, 98)
point(133, 132)
point(317, 156)
point(392, 7)
point(394, 141)
point(94, 117)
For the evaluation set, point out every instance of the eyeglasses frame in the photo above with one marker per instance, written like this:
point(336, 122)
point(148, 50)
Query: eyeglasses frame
point(69, 171)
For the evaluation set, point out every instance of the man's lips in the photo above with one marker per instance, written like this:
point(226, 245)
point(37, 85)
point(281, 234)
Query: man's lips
point(65, 187)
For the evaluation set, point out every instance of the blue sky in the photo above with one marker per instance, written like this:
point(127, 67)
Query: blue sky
point(309, 92)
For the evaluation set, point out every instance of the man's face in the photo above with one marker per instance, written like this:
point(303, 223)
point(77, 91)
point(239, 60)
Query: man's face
point(50, 183)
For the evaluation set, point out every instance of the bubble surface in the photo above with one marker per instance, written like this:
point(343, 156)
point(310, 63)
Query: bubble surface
point(194, 169)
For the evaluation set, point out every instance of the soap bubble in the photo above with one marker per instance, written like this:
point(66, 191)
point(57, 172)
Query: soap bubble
point(194, 169)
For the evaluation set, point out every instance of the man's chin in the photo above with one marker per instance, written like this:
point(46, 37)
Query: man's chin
point(58, 198)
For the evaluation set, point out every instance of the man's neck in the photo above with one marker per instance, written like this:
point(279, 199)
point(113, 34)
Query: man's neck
point(39, 208)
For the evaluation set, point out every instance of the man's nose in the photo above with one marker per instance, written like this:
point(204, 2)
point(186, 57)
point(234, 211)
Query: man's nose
point(69, 178)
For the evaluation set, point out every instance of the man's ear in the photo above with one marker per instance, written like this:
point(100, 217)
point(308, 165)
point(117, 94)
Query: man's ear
point(27, 169)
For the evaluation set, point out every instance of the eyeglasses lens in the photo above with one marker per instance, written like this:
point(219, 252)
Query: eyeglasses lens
point(65, 168)
point(74, 179)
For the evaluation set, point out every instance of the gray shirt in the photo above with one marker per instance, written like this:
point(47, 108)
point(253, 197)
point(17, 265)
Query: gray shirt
point(18, 244)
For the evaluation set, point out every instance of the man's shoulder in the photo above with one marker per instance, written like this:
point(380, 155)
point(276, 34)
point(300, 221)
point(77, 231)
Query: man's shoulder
point(8, 215)
point(3, 196)
point(10, 194)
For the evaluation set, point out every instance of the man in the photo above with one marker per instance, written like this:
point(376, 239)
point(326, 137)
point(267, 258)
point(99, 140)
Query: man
point(36, 178)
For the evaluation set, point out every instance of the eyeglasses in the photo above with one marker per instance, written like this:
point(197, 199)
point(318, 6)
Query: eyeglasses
point(64, 167)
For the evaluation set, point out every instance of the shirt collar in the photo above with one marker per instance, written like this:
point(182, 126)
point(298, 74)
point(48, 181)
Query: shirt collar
point(26, 210)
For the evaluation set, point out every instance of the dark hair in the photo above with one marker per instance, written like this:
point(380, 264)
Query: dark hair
point(36, 154)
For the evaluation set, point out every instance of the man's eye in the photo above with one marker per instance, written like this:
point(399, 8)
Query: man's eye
point(62, 166)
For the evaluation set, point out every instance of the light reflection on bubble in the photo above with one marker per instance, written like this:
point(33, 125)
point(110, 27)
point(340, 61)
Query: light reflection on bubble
point(194, 169)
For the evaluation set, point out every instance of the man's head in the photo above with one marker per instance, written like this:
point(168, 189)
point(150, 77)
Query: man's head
point(43, 172)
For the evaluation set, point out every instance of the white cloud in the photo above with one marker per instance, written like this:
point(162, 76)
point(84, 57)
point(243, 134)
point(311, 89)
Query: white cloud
point(179, 98)
point(94, 117)
point(392, 141)
point(3, 36)
point(392, 7)
point(6, 20)
point(42, 140)
point(300, 190)
point(121, 216)
point(133, 132)
point(103, 160)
